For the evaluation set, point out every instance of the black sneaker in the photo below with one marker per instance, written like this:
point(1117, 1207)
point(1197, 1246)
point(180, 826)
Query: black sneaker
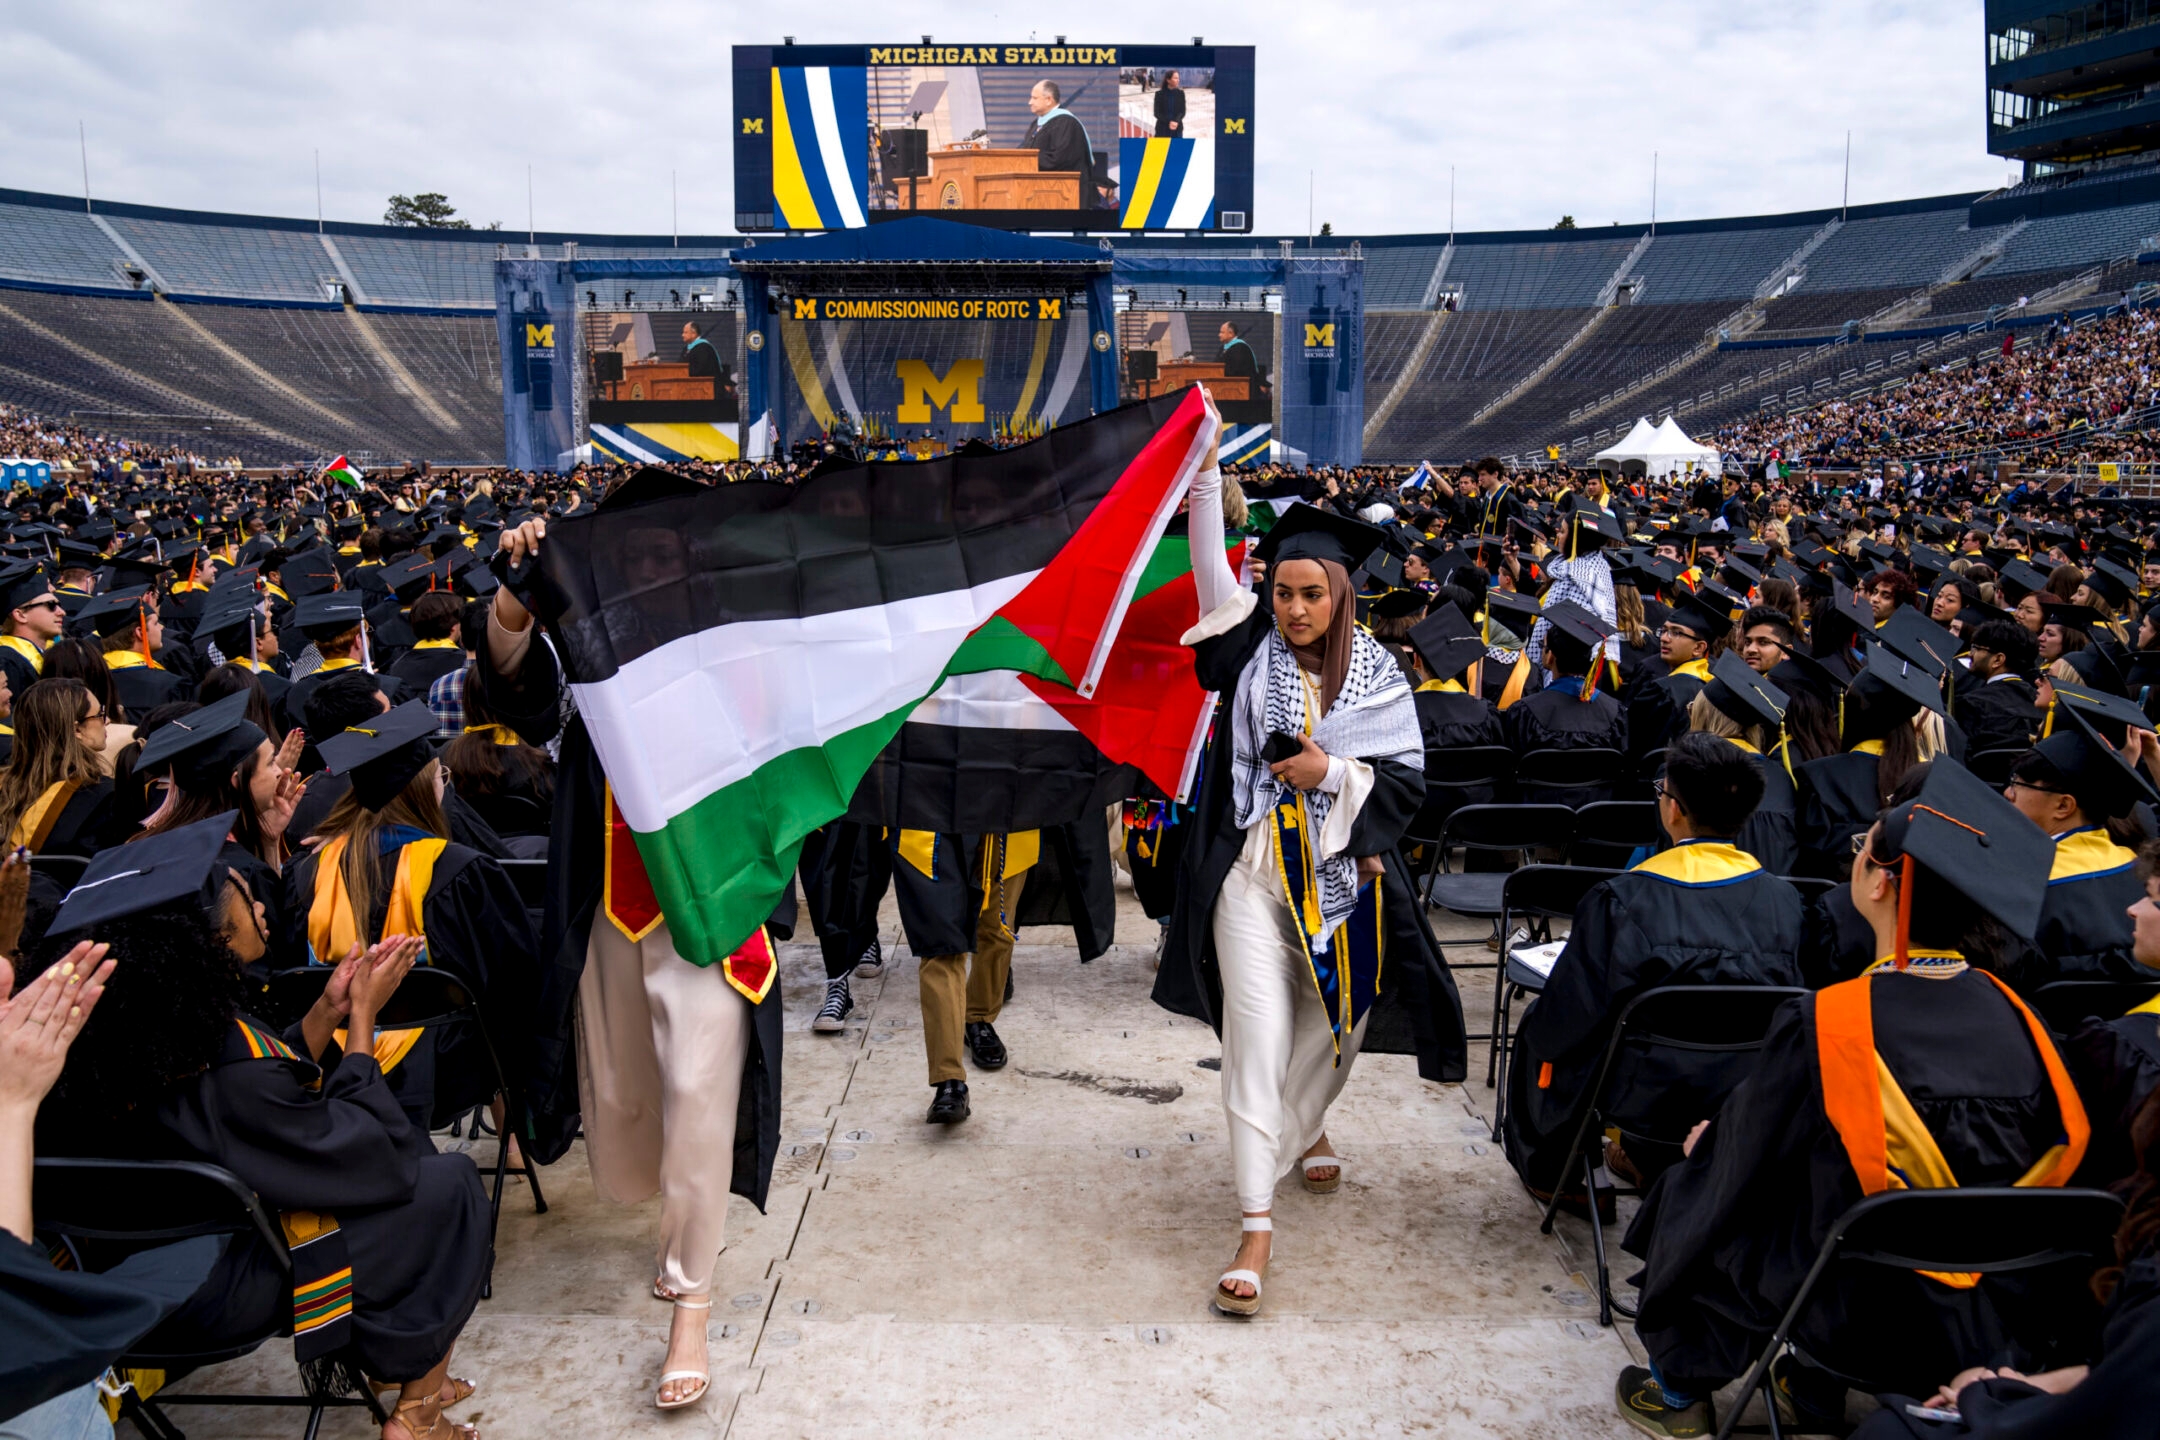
point(984, 1045)
point(838, 1005)
point(949, 1106)
point(872, 963)
point(1809, 1401)
point(1642, 1404)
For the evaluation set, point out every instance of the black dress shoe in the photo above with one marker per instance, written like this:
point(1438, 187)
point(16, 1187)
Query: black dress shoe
point(950, 1105)
point(984, 1045)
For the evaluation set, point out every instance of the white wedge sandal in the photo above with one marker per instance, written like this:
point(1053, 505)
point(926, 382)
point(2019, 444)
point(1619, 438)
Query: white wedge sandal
point(1228, 1301)
point(703, 1377)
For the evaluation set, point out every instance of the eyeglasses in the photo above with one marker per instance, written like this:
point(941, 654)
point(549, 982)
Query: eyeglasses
point(42, 605)
point(98, 714)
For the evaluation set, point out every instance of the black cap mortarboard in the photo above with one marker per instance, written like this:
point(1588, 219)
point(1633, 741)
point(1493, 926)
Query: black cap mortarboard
point(384, 755)
point(1744, 696)
point(203, 744)
point(1447, 641)
point(1967, 835)
point(169, 868)
point(1705, 619)
point(2020, 578)
point(1890, 691)
point(1399, 605)
point(113, 613)
point(1305, 532)
point(22, 584)
point(1576, 623)
point(330, 614)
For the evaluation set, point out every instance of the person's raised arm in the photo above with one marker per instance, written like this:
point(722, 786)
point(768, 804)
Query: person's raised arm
point(36, 1028)
point(1205, 535)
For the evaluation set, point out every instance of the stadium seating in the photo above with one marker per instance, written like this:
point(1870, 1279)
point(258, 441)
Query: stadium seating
point(283, 368)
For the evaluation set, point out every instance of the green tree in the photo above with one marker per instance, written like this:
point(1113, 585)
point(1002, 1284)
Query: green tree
point(1326, 228)
point(430, 209)
point(1567, 222)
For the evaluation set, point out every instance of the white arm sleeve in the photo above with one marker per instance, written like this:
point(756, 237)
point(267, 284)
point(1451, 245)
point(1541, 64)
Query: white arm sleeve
point(1204, 533)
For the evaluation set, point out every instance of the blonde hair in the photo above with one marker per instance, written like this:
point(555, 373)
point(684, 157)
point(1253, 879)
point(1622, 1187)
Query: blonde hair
point(1628, 613)
point(1706, 717)
point(1234, 509)
point(417, 805)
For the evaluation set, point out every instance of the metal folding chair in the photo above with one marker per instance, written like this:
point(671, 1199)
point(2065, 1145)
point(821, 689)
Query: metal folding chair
point(2064, 1004)
point(1539, 894)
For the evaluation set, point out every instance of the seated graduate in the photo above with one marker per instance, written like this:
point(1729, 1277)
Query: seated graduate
point(2080, 792)
point(1657, 710)
point(1443, 647)
point(2116, 1062)
point(1840, 794)
point(1570, 712)
point(435, 651)
point(55, 799)
point(220, 762)
point(233, 620)
point(386, 866)
point(2112, 1398)
point(1745, 710)
point(171, 1067)
point(511, 783)
point(1701, 913)
point(335, 622)
point(129, 631)
point(1925, 1072)
point(1995, 702)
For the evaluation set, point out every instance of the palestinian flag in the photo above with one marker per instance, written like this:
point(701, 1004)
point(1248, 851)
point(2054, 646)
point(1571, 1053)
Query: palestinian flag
point(742, 655)
point(342, 472)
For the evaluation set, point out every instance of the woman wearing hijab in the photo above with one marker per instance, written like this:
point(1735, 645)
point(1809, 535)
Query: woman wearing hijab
point(1292, 890)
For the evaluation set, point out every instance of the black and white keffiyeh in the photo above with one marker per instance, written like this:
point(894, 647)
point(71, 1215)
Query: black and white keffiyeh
point(1373, 719)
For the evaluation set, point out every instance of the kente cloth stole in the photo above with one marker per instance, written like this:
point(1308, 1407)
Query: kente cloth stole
point(629, 904)
point(35, 827)
point(1346, 974)
point(321, 1261)
point(1884, 1138)
point(333, 928)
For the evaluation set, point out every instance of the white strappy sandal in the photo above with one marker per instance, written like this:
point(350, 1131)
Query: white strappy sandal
point(704, 1378)
point(1228, 1301)
point(1316, 1185)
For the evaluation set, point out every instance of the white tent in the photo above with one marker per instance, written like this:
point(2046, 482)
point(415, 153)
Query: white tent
point(1661, 450)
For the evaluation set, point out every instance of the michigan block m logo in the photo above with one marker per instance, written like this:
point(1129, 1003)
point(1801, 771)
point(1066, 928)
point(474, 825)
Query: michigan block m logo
point(960, 388)
point(805, 309)
point(1320, 337)
point(753, 125)
point(539, 337)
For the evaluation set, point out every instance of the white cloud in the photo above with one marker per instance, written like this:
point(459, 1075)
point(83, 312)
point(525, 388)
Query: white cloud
point(1543, 107)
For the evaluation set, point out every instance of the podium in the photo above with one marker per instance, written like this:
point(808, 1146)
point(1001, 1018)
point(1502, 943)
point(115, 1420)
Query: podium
point(658, 382)
point(1171, 374)
point(996, 180)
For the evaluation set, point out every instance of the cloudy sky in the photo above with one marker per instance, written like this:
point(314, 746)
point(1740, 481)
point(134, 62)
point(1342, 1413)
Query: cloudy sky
point(1543, 107)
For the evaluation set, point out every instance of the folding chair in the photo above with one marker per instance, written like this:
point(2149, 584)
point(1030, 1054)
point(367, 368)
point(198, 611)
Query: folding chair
point(1553, 775)
point(530, 878)
point(1642, 778)
point(140, 1203)
point(426, 999)
point(1454, 779)
point(1539, 894)
point(1609, 832)
point(1994, 765)
point(2066, 1003)
point(1493, 829)
point(1981, 1230)
point(1813, 890)
point(1713, 1033)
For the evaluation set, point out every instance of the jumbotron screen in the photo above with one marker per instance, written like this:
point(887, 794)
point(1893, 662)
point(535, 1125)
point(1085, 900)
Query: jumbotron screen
point(1021, 137)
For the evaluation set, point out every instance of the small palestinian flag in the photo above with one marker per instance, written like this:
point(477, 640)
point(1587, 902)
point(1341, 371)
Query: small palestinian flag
point(743, 655)
point(342, 472)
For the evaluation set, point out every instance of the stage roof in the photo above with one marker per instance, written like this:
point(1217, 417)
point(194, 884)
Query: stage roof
point(923, 252)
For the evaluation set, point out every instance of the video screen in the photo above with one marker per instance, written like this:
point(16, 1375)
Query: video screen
point(1230, 351)
point(663, 385)
point(1026, 137)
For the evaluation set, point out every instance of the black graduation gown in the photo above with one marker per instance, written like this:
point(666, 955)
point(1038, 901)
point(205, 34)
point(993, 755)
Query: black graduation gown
point(84, 824)
point(1169, 111)
point(21, 673)
point(1061, 143)
point(415, 1223)
point(1554, 719)
point(142, 688)
point(1658, 711)
point(530, 702)
point(1837, 802)
point(419, 668)
point(2085, 929)
point(1688, 916)
point(1770, 834)
point(1998, 714)
point(477, 929)
point(1457, 720)
point(2116, 1065)
point(64, 1327)
point(2115, 1401)
point(1729, 1233)
point(1418, 1011)
point(1640, 665)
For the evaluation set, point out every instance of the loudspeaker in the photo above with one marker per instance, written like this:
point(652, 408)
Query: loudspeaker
point(607, 367)
point(907, 154)
point(1140, 364)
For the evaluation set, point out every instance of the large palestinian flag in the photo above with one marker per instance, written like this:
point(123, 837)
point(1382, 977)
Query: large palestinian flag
point(743, 655)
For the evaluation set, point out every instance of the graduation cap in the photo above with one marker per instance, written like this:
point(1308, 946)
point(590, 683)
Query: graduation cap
point(1592, 530)
point(384, 755)
point(1447, 642)
point(175, 866)
point(1578, 624)
point(1912, 636)
point(1891, 690)
point(1382, 566)
point(2077, 760)
point(1305, 532)
point(2097, 671)
point(1970, 838)
point(1713, 595)
point(1512, 609)
point(21, 584)
point(1799, 671)
point(1848, 603)
point(1398, 605)
point(202, 744)
point(329, 614)
point(2020, 578)
point(477, 582)
point(1706, 620)
point(1742, 576)
point(141, 568)
point(2069, 616)
point(309, 573)
point(113, 613)
point(226, 616)
point(78, 554)
point(1744, 696)
point(2111, 582)
point(417, 574)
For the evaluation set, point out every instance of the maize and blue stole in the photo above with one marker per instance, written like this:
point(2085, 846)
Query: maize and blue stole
point(1346, 972)
point(321, 1262)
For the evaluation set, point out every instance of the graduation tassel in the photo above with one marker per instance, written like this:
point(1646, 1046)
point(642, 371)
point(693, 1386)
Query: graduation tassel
point(1901, 958)
point(1590, 681)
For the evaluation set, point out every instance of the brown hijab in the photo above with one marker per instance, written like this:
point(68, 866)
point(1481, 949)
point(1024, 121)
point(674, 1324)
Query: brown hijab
point(1331, 657)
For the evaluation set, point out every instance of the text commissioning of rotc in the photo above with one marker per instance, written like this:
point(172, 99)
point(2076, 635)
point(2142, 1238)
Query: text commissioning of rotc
point(993, 55)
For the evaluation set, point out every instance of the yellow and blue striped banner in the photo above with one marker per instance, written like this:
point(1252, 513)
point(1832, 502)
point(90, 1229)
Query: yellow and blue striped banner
point(821, 146)
point(650, 443)
point(1166, 184)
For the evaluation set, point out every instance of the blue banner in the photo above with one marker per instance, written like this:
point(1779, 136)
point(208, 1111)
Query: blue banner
point(535, 332)
point(1323, 346)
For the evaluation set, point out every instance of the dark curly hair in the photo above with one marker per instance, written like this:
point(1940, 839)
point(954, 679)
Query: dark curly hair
point(163, 1018)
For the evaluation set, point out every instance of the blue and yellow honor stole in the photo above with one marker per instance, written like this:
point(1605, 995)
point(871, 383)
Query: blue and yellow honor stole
point(1346, 974)
point(321, 1262)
